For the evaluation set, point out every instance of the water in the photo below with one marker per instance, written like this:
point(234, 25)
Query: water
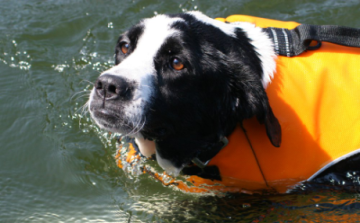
point(56, 166)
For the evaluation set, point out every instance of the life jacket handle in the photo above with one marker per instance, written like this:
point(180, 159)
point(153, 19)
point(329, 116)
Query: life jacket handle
point(293, 42)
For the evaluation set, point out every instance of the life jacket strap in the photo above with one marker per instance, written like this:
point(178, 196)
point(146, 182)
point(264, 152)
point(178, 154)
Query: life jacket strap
point(293, 42)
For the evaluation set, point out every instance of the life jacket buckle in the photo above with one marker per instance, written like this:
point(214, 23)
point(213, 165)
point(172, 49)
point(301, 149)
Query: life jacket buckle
point(314, 47)
point(200, 163)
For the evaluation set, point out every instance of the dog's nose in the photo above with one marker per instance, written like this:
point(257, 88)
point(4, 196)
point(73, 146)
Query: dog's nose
point(110, 87)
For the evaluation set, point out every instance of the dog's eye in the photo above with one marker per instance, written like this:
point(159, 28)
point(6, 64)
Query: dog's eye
point(124, 48)
point(177, 64)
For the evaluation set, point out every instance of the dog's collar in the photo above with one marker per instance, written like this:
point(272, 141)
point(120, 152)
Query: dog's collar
point(204, 157)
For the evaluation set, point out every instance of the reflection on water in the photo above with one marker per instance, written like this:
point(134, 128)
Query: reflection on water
point(57, 165)
point(326, 206)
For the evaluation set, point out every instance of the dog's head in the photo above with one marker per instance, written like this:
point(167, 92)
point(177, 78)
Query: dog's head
point(184, 81)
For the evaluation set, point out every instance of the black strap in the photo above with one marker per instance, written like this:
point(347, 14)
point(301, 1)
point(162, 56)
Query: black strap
point(203, 158)
point(293, 42)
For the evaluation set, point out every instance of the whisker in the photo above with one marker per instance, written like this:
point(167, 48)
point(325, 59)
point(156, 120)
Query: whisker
point(142, 125)
point(84, 92)
point(134, 128)
point(84, 108)
point(137, 128)
point(90, 82)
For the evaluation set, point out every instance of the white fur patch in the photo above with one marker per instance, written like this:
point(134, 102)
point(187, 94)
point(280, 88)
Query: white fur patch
point(263, 46)
point(229, 30)
point(147, 147)
point(168, 166)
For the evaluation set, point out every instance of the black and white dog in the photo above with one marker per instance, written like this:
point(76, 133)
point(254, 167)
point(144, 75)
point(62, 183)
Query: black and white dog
point(183, 82)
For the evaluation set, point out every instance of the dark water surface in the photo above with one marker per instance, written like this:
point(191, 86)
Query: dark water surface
point(56, 166)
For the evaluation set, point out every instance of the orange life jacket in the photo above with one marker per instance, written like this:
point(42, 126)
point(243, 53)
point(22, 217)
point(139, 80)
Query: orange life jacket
point(316, 98)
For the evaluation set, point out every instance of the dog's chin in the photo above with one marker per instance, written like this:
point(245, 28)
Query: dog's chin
point(109, 121)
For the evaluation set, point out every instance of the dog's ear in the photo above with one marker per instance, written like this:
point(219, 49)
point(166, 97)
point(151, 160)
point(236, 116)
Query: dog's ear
point(253, 101)
point(266, 116)
point(273, 128)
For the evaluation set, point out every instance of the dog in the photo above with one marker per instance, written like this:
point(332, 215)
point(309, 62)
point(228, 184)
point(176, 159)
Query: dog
point(183, 83)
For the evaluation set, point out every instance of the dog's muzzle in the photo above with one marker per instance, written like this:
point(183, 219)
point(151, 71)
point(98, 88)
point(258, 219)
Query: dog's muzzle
point(111, 97)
